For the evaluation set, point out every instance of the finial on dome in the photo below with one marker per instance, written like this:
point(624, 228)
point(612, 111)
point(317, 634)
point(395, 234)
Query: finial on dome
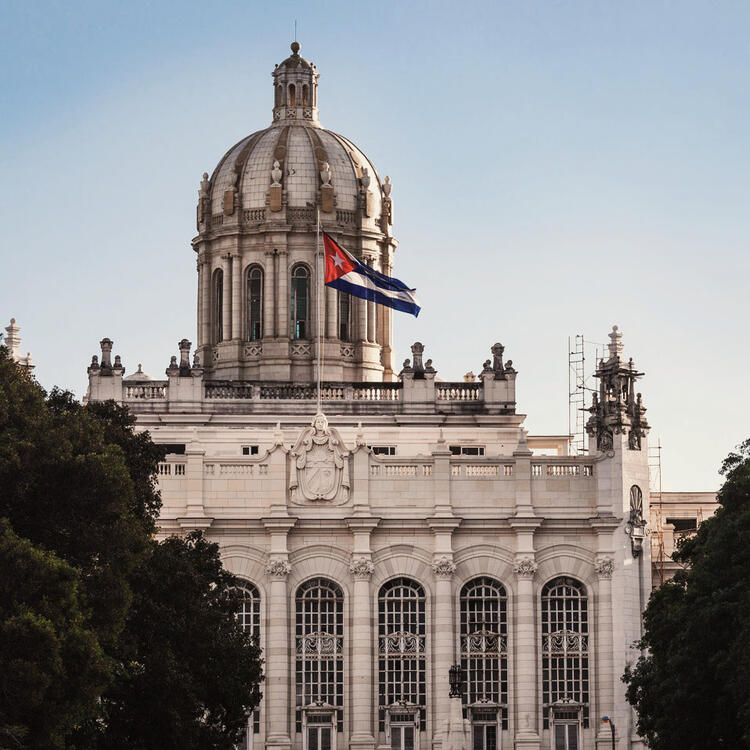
point(296, 46)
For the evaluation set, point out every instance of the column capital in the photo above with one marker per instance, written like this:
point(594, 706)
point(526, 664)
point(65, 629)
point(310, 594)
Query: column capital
point(604, 567)
point(443, 567)
point(525, 567)
point(278, 568)
point(280, 523)
point(363, 523)
point(361, 568)
point(443, 523)
point(525, 523)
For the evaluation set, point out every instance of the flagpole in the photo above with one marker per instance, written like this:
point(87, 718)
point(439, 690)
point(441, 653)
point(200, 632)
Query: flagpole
point(318, 295)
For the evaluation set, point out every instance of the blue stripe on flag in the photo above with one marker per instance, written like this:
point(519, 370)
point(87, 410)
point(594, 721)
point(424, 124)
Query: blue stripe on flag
point(373, 295)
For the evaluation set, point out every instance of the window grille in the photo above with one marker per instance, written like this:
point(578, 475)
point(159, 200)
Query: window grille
point(565, 646)
point(319, 647)
point(254, 303)
point(249, 618)
point(484, 644)
point(401, 647)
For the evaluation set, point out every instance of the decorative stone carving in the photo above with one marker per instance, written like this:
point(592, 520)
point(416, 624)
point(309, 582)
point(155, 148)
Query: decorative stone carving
point(444, 567)
point(362, 568)
point(525, 567)
point(636, 527)
point(252, 351)
point(387, 186)
point(325, 174)
point(301, 350)
point(417, 350)
point(320, 464)
point(365, 179)
point(278, 568)
point(604, 567)
point(276, 173)
point(497, 358)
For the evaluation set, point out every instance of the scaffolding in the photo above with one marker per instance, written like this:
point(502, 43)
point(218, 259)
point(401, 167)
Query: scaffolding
point(577, 390)
point(658, 561)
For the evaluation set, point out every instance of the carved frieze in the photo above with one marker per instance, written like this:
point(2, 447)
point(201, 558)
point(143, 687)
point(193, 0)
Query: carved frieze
point(604, 567)
point(278, 568)
point(361, 568)
point(444, 567)
point(525, 567)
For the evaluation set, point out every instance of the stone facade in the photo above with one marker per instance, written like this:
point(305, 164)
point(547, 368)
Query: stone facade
point(390, 525)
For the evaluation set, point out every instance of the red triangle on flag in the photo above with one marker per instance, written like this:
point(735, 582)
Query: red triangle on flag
point(338, 262)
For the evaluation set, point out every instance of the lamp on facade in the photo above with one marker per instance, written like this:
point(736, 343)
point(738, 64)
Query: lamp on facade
point(456, 681)
point(607, 720)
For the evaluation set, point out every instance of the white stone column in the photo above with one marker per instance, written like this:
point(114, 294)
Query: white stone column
point(443, 640)
point(283, 330)
point(604, 651)
point(331, 331)
point(360, 311)
point(278, 674)
point(525, 661)
point(361, 709)
point(268, 295)
point(371, 322)
point(226, 291)
point(236, 297)
point(204, 303)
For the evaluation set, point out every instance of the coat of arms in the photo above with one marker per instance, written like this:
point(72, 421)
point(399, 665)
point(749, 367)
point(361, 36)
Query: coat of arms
point(320, 466)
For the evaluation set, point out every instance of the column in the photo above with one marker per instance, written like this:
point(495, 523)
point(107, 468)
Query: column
point(604, 651)
point(525, 662)
point(226, 311)
point(331, 313)
point(361, 710)
point(444, 642)
point(204, 304)
point(371, 322)
point(268, 294)
point(278, 678)
point(236, 297)
point(360, 314)
point(282, 330)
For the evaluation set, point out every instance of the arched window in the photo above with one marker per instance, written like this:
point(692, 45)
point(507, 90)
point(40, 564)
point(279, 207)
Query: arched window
point(305, 95)
point(292, 96)
point(217, 306)
point(300, 302)
point(254, 303)
point(319, 652)
point(565, 660)
point(401, 654)
point(345, 316)
point(249, 617)
point(484, 658)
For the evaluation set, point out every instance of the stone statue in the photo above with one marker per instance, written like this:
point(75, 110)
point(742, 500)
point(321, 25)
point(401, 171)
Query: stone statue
point(387, 187)
point(276, 173)
point(365, 179)
point(205, 186)
point(325, 174)
point(320, 464)
point(417, 350)
point(497, 357)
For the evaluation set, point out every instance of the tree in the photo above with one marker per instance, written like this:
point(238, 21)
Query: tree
point(189, 674)
point(51, 666)
point(692, 687)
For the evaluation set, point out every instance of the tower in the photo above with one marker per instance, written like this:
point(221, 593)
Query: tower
point(258, 272)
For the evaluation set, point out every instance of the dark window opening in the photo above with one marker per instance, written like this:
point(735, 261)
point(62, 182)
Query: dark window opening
point(684, 524)
point(467, 450)
point(250, 450)
point(178, 448)
point(383, 450)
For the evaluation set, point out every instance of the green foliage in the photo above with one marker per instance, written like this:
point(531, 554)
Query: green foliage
point(51, 666)
point(184, 651)
point(692, 689)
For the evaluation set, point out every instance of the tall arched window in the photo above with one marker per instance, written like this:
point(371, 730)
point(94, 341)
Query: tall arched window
point(305, 95)
point(345, 316)
point(484, 658)
point(319, 652)
point(401, 658)
point(254, 303)
point(565, 660)
point(249, 617)
point(292, 96)
point(217, 306)
point(300, 302)
point(279, 90)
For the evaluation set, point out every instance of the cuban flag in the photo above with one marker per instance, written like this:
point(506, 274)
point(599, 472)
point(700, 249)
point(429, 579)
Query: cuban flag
point(345, 273)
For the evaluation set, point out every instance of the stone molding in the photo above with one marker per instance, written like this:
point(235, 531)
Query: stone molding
point(444, 567)
point(525, 567)
point(604, 567)
point(278, 568)
point(361, 568)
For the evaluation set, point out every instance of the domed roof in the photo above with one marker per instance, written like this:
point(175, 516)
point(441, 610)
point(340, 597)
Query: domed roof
point(296, 154)
point(138, 375)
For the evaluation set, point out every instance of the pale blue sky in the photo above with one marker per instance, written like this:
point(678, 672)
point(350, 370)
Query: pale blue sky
point(557, 166)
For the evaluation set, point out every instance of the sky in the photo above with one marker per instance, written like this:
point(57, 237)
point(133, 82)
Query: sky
point(558, 167)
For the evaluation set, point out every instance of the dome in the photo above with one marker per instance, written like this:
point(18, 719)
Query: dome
point(138, 375)
point(307, 164)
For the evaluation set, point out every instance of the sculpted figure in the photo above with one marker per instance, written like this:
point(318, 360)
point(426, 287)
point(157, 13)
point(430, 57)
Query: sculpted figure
point(325, 174)
point(276, 173)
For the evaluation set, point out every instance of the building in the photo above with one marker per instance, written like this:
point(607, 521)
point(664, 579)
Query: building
point(401, 524)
